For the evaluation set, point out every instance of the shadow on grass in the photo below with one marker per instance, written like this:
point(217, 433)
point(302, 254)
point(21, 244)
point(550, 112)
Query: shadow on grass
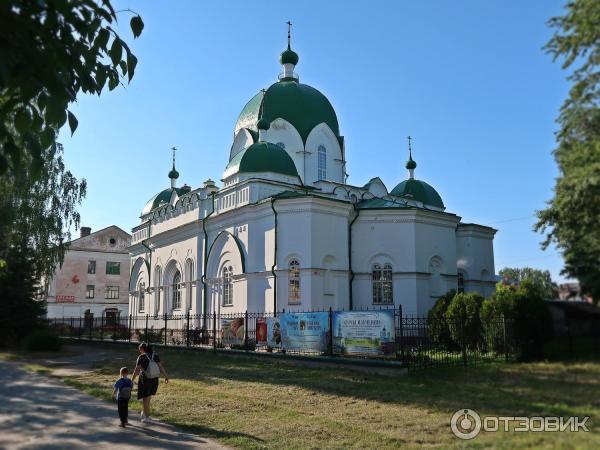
point(557, 388)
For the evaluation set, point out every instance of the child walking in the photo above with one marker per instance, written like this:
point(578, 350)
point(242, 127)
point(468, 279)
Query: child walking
point(122, 392)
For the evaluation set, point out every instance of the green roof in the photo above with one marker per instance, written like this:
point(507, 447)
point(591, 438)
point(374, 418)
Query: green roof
point(418, 190)
point(163, 197)
point(301, 105)
point(262, 157)
point(380, 203)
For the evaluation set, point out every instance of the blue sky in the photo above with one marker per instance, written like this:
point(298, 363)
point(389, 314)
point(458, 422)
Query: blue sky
point(468, 80)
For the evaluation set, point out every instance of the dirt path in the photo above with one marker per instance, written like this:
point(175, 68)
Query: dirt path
point(39, 412)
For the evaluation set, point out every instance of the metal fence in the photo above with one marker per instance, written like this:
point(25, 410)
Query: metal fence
point(416, 342)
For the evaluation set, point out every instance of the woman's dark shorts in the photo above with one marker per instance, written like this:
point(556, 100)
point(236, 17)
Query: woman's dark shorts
point(147, 387)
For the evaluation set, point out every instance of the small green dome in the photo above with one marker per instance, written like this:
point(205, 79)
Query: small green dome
point(299, 104)
point(418, 190)
point(163, 197)
point(289, 56)
point(410, 164)
point(173, 174)
point(262, 157)
point(263, 124)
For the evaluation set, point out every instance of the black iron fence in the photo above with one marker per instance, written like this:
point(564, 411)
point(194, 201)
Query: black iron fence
point(383, 334)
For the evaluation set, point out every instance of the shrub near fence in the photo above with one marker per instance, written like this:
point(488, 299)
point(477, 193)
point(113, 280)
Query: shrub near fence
point(383, 334)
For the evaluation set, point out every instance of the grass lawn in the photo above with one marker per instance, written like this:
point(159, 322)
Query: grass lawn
point(256, 403)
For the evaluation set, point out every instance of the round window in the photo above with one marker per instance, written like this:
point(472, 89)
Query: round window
point(112, 242)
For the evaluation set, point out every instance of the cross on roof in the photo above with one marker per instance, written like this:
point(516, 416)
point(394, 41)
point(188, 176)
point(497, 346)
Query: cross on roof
point(289, 24)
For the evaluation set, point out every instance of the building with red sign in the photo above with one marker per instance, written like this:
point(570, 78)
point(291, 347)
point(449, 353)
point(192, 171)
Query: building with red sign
point(94, 276)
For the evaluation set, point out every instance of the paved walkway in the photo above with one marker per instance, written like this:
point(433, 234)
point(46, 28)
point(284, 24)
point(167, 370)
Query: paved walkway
point(38, 412)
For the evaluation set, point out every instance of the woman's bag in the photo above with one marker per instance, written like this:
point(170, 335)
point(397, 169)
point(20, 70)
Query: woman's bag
point(152, 371)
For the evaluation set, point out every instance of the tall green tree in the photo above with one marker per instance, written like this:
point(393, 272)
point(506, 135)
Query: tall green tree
point(50, 51)
point(572, 218)
point(539, 278)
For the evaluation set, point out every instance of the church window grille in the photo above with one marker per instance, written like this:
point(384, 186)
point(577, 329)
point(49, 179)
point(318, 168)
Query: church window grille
point(382, 284)
point(322, 163)
point(177, 290)
point(227, 286)
point(294, 282)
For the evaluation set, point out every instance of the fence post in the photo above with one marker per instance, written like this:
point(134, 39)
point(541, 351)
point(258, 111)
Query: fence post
point(400, 335)
point(214, 331)
point(71, 329)
point(91, 322)
point(146, 331)
point(504, 343)
point(246, 331)
point(80, 329)
point(187, 327)
point(102, 327)
point(165, 329)
point(129, 329)
point(464, 341)
point(330, 343)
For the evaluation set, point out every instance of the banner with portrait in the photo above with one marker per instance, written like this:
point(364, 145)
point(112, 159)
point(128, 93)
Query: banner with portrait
point(307, 332)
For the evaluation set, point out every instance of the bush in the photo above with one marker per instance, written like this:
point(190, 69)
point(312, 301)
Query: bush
point(464, 321)
point(527, 317)
point(437, 326)
point(42, 340)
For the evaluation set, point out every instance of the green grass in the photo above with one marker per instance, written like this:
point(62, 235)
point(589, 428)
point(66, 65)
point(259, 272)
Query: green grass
point(255, 403)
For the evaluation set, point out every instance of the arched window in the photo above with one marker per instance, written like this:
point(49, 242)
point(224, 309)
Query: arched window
point(227, 286)
point(294, 282)
point(142, 299)
point(322, 163)
point(461, 282)
point(157, 276)
point(382, 284)
point(281, 144)
point(189, 277)
point(176, 290)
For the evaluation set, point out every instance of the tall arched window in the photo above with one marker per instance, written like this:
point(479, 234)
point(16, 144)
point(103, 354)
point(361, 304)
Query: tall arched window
point(189, 277)
point(142, 299)
point(382, 284)
point(294, 282)
point(322, 163)
point(157, 277)
point(176, 290)
point(227, 286)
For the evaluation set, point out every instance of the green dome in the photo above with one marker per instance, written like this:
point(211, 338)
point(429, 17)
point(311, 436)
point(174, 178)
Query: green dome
point(163, 197)
point(262, 157)
point(289, 56)
point(411, 165)
point(173, 174)
point(301, 105)
point(418, 190)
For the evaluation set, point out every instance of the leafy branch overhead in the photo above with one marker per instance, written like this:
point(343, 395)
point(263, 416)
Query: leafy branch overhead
point(50, 52)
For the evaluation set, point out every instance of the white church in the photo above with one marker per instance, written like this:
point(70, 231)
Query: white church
point(286, 230)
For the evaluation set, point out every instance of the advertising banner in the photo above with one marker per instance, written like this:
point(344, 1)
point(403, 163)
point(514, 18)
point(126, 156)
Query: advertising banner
point(65, 299)
point(261, 331)
point(363, 332)
point(232, 331)
point(273, 332)
point(304, 331)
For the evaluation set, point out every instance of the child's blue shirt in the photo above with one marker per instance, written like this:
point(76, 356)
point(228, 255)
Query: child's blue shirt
point(123, 386)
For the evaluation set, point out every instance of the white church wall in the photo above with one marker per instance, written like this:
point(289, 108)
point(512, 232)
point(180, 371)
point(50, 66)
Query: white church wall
point(243, 139)
point(475, 258)
point(282, 132)
point(322, 135)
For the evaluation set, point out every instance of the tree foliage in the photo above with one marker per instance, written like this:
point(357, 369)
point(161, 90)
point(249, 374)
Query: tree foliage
point(540, 278)
point(463, 319)
point(50, 51)
point(572, 216)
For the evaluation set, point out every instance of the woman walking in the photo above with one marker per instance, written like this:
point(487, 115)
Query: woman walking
point(148, 367)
